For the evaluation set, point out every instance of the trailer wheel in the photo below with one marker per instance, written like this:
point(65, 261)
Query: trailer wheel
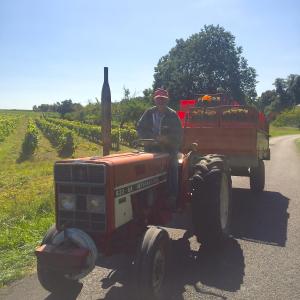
point(211, 202)
point(151, 263)
point(257, 177)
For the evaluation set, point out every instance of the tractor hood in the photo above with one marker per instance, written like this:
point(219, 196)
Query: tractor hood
point(130, 166)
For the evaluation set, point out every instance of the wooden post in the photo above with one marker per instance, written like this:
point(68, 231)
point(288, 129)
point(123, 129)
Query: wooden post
point(106, 114)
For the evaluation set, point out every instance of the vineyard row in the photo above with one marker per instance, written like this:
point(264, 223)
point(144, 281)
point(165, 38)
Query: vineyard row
point(30, 142)
point(124, 136)
point(7, 125)
point(61, 137)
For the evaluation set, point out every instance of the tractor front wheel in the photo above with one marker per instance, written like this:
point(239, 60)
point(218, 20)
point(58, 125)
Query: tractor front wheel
point(55, 280)
point(52, 280)
point(151, 263)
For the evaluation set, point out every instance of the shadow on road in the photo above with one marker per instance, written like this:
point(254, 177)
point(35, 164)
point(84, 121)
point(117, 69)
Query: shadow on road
point(203, 270)
point(260, 218)
point(70, 294)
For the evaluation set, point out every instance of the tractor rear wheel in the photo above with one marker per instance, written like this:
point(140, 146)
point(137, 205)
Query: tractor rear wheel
point(211, 200)
point(151, 263)
point(257, 177)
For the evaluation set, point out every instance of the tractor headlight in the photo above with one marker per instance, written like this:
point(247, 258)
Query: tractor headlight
point(96, 203)
point(67, 201)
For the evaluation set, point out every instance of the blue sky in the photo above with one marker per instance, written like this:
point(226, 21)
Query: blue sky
point(56, 50)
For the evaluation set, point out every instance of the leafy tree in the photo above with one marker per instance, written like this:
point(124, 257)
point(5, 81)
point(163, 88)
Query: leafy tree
point(266, 99)
point(65, 106)
point(204, 62)
point(293, 87)
point(91, 113)
point(45, 108)
point(285, 95)
point(288, 90)
point(148, 95)
point(130, 109)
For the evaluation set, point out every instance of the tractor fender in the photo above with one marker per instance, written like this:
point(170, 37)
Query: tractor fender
point(80, 239)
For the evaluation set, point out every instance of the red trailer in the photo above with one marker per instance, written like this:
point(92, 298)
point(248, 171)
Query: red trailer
point(239, 132)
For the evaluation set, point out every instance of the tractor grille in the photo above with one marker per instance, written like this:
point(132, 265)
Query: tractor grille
point(80, 181)
point(80, 173)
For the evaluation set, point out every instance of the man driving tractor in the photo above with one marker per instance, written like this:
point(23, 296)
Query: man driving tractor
point(162, 124)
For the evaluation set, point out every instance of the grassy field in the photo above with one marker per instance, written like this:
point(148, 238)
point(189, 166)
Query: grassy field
point(277, 131)
point(26, 198)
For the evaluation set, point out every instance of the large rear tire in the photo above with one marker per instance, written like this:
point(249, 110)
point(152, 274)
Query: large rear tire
point(257, 177)
point(211, 200)
point(151, 263)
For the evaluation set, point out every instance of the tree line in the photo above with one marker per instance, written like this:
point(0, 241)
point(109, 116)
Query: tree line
point(128, 110)
point(285, 95)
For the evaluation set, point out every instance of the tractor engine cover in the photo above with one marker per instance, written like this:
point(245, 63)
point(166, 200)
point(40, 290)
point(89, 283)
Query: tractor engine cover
point(95, 194)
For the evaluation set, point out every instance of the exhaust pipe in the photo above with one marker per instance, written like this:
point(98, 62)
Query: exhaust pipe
point(106, 114)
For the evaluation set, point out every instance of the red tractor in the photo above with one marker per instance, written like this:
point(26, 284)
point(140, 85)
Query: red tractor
point(116, 203)
point(113, 204)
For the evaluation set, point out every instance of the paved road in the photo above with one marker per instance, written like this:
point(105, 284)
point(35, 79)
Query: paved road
point(261, 262)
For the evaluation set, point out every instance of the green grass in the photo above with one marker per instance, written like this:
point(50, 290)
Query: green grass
point(26, 192)
point(27, 199)
point(289, 117)
point(277, 131)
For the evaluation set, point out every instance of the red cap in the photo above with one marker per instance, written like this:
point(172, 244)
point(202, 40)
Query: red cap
point(161, 93)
